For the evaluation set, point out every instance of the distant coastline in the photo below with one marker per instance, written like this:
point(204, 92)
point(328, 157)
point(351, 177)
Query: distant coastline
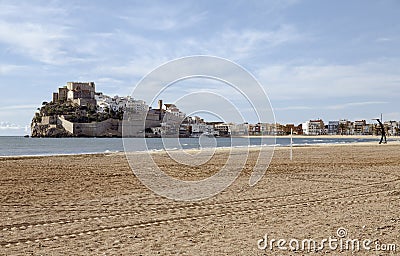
point(335, 136)
point(78, 110)
point(254, 136)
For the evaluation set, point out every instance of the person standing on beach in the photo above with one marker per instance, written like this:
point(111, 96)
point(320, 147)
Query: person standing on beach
point(382, 131)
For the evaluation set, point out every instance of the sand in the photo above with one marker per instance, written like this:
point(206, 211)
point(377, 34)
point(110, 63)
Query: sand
point(94, 205)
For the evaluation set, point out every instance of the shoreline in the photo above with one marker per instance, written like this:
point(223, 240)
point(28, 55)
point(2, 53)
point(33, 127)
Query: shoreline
point(58, 155)
point(218, 149)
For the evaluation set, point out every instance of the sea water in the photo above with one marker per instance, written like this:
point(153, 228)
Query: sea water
point(21, 146)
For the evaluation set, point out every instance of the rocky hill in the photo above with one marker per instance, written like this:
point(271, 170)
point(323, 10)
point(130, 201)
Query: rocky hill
point(55, 119)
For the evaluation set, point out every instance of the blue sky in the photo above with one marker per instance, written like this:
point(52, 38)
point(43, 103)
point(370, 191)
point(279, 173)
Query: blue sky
point(315, 59)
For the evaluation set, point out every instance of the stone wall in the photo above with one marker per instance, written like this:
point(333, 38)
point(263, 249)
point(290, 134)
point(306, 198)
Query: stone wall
point(46, 120)
point(107, 128)
point(68, 126)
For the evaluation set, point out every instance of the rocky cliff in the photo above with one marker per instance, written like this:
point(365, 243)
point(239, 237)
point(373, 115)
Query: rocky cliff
point(47, 130)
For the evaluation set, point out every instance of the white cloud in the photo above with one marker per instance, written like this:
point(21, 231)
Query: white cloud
point(147, 54)
point(44, 33)
point(10, 126)
point(355, 104)
point(15, 107)
point(293, 108)
point(244, 43)
point(247, 39)
point(13, 10)
point(383, 39)
point(6, 69)
point(38, 41)
point(108, 81)
point(133, 69)
point(163, 17)
point(309, 82)
point(11, 129)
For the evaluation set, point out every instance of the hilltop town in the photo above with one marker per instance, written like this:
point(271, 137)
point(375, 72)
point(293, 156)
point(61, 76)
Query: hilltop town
point(78, 110)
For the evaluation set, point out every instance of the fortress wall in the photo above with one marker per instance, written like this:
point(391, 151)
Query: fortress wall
point(68, 126)
point(116, 125)
point(152, 120)
point(89, 129)
point(46, 120)
point(93, 129)
point(134, 122)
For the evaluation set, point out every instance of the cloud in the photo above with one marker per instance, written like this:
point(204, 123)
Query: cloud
point(163, 17)
point(240, 44)
point(383, 39)
point(355, 104)
point(378, 80)
point(41, 43)
point(11, 126)
point(135, 68)
point(15, 119)
point(293, 108)
point(11, 129)
point(107, 81)
point(17, 107)
point(13, 10)
point(47, 34)
point(7, 69)
point(148, 53)
point(35, 31)
point(247, 38)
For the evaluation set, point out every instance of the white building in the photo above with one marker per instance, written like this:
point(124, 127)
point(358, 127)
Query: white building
point(239, 129)
point(172, 109)
point(223, 129)
point(268, 129)
point(119, 103)
point(392, 128)
point(203, 128)
point(137, 105)
point(313, 127)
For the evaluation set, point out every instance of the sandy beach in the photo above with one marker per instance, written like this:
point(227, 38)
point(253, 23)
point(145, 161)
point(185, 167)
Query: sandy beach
point(94, 205)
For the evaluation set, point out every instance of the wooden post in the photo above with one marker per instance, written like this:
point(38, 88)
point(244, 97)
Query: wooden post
point(291, 144)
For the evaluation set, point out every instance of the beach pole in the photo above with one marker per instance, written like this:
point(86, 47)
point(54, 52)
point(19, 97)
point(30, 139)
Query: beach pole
point(291, 144)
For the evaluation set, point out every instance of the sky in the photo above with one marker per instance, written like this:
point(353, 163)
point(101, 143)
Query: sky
point(314, 59)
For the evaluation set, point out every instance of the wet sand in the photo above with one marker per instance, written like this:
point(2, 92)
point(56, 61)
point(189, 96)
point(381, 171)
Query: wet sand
point(94, 205)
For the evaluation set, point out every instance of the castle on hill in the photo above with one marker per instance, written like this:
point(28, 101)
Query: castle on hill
point(77, 110)
point(80, 93)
